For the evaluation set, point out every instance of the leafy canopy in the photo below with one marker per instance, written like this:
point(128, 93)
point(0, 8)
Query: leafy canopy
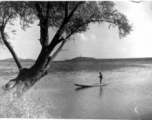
point(86, 13)
point(10, 12)
point(69, 17)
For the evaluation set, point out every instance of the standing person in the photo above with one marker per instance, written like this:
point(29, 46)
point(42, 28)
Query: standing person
point(100, 76)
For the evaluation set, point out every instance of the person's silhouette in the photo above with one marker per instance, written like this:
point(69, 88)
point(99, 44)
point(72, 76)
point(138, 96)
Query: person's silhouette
point(100, 76)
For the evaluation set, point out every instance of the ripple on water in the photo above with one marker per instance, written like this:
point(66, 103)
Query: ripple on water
point(121, 98)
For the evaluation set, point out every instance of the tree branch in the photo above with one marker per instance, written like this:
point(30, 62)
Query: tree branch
point(7, 19)
point(65, 21)
point(7, 44)
point(54, 55)
point(76, 30)
point(66, 10)
point(74, 9)
point(5, 9)
point(48, 8)
point(39, 11)
point(44, 40)
point(58, 50)
point(10, 48)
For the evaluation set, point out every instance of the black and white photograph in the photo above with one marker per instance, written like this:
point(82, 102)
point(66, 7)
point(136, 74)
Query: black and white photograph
point(76, 59)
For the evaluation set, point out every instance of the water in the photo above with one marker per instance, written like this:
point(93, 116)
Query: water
point(126, 96)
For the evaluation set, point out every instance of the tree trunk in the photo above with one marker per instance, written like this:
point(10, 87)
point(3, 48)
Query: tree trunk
point(28, 77)
point(24, 81)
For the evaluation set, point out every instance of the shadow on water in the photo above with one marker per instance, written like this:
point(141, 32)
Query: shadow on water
point(82, 88)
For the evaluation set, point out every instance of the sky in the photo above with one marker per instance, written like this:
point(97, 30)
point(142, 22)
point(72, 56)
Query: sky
point(99, 41)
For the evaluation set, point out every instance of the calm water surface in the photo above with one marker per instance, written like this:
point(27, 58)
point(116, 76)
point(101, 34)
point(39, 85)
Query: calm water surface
point(123, 97)
point(127, 95)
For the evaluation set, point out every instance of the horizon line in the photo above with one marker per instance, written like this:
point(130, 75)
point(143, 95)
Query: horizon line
point(83, 57)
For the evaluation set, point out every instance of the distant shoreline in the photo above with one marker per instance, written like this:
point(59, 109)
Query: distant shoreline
point(88, 59)
point(20, 59)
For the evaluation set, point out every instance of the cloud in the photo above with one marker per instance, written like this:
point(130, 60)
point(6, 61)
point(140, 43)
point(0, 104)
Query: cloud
point(93, 37)
point(82, 37)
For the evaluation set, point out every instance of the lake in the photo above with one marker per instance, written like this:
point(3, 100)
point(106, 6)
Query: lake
point(127, 95)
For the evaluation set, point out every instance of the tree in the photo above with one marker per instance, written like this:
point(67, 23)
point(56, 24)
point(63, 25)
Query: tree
point(67, 18)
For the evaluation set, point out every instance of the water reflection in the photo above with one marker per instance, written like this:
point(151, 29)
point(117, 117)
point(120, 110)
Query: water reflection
point(85, 88)
point(81, 88)
point(100, 91)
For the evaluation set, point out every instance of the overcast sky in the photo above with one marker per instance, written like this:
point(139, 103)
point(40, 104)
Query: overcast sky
point(99, 41)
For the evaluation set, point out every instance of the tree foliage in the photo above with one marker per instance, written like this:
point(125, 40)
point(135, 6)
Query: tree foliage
point(74, 16)
point(10, 12)
point(85, 13)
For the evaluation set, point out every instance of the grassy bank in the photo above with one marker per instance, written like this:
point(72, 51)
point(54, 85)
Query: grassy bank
point(23, 107)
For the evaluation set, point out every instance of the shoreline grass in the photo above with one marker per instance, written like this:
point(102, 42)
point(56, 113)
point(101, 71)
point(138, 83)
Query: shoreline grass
point(23, 107)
